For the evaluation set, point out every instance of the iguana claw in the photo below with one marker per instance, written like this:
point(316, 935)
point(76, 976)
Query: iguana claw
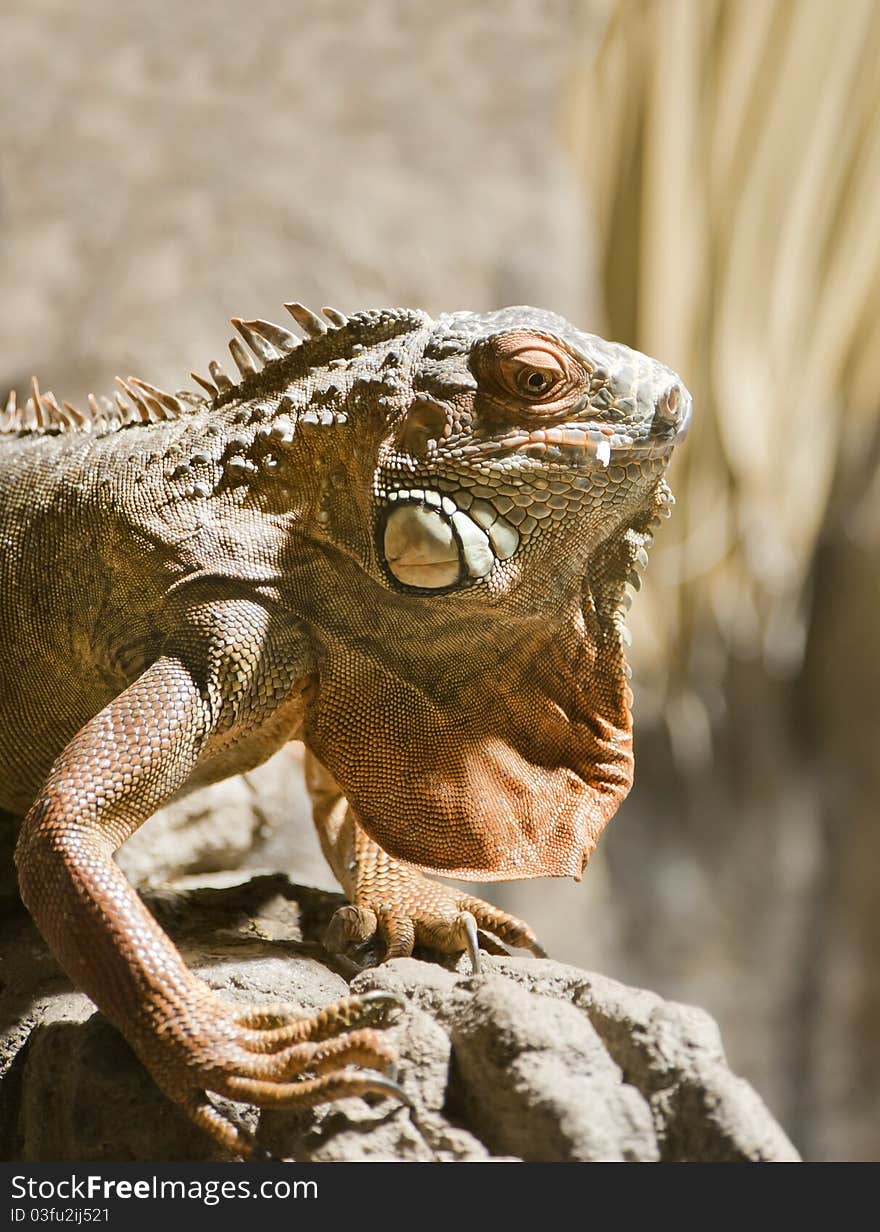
point(473, 941)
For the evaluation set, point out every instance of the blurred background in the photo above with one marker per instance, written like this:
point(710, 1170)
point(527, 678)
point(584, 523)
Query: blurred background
point(697, 178)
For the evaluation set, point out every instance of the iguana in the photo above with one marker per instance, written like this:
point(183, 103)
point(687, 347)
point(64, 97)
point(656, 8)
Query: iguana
point(404, 541)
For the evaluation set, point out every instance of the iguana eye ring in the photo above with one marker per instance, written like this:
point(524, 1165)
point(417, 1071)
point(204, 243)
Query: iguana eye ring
point(526, 376)
point(532, 372)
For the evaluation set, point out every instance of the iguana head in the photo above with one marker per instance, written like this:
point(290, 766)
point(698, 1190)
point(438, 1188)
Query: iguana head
point(524, 440)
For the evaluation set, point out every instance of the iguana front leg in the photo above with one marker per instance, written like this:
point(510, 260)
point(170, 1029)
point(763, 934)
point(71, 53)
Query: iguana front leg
point(119, 768)
point(394, 902)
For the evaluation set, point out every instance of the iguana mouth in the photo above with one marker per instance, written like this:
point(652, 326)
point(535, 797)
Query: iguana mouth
point(595, 442)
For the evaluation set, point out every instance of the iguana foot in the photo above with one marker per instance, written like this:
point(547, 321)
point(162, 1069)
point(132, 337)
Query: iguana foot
point(272, 1056)
point(393, 903)
point(402, 908)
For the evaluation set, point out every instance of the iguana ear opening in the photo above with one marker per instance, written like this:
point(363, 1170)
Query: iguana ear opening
point(512, 774)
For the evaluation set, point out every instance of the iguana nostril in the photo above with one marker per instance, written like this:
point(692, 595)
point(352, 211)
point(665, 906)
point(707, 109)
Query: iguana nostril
point(670, 408)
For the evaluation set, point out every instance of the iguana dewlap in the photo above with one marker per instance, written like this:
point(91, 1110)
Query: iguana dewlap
point(406, 542)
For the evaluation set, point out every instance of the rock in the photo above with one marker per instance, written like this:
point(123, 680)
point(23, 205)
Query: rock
point(535, 1078)
point(529, 1060)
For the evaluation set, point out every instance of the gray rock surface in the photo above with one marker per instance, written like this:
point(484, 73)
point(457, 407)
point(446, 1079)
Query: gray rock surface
point(529, 1060)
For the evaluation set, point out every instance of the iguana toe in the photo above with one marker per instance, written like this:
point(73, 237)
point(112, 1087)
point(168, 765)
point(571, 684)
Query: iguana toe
point(272, 1056)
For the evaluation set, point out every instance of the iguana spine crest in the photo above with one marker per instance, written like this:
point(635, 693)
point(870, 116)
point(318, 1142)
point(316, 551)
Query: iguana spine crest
point(142, 403)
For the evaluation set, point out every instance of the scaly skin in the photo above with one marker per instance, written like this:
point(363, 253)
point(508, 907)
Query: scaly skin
point(392, 901)
point(405, 542)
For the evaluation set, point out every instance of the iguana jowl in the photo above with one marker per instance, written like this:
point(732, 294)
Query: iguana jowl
point(403, 541)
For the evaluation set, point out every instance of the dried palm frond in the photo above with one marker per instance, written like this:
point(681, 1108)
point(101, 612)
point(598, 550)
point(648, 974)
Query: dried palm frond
point(731, 149)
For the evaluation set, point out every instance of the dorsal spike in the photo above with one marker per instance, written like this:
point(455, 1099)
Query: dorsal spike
point(26, 418)
point(276, 335)
point(140, 403)
point(260, 347)
point(79, 419)
point(243, 361)
point(68, 417)
point(95, 410)
point(171, 405)
point(55, 414)
point(208, 386)
point(221, 380)
point(158, 410)
point(307, 320)
point(128, 413)
point(36, 400)
point(125, 413)
point(9, 414)
point(335, 316)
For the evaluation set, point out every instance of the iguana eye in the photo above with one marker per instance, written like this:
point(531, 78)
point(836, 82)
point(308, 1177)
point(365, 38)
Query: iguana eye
point(526, 376)
point(531, 372)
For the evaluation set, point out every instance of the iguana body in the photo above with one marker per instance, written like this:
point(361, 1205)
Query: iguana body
point(404, 542)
